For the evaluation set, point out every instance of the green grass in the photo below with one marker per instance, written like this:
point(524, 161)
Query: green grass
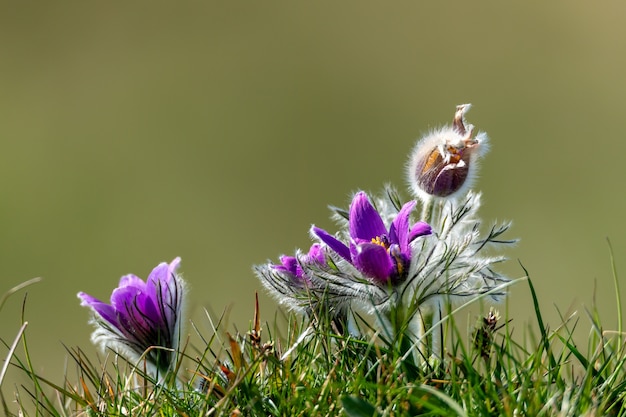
point(297, 367)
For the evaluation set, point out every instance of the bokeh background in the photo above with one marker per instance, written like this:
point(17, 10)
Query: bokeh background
point(219, 131)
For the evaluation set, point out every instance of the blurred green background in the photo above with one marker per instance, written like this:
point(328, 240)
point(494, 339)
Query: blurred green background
point(219, 131)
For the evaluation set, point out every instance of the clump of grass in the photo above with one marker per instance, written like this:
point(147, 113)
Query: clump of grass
point(314, 370)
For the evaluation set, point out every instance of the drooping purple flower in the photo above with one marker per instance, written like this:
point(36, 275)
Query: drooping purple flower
point(291, 265)
point(288, 281)
point(142, 315)
point(296, 283)
point(379, 253)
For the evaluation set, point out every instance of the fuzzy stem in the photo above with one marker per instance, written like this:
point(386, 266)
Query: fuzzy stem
point(427, 209)
point(417, 327)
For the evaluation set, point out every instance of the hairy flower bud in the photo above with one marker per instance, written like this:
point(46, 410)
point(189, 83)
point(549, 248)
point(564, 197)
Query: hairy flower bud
point(444, 162)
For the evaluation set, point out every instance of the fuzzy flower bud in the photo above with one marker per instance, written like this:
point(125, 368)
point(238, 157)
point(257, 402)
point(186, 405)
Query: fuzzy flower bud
point(444, 162)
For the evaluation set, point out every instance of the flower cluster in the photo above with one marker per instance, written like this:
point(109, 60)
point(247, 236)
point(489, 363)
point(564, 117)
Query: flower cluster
point(381, 261)
point(386, 264)
point(143, 319)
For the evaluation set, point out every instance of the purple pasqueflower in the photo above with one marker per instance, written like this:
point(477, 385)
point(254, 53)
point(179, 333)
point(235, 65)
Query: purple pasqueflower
point(141, 315)
point(292, 281)
point(379, 253)
point(291, 265)
point(296, 283)
point(289, 281)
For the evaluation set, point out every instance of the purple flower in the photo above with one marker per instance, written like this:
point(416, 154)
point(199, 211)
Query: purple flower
point(291, 265)
point(289, 281)
point(379, 253)
point(298, 283)
point(141, 315)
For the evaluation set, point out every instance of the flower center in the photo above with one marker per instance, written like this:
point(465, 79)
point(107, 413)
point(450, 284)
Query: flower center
point(394, 251)
point(400, 260)
point(382, 240)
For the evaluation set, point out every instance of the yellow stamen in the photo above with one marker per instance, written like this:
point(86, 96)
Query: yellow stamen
point(381, 242)
point(397, 256)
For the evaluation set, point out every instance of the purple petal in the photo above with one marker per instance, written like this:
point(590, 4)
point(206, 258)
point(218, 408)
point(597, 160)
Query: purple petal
point(124, 295)
point(400, 260)
point(157, 280)
point(135, 310)
point(167, 294)
point(171, 289)
point(133, 281)
point(399, 230)
point(102, 309)
point(292, 269)
point(365, 222)
point(173, 267)
point(289, 264)
point(354, 250)
point(373, 261)
point(419, 229)
point(316, 254)
point(333, 243)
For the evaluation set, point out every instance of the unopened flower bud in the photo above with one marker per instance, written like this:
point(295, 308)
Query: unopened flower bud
point(483, 334)
point(444, 162)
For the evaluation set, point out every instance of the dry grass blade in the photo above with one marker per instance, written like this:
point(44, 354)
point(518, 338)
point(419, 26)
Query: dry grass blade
point(11, 351)
point(235, 351)
point(17, 288)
